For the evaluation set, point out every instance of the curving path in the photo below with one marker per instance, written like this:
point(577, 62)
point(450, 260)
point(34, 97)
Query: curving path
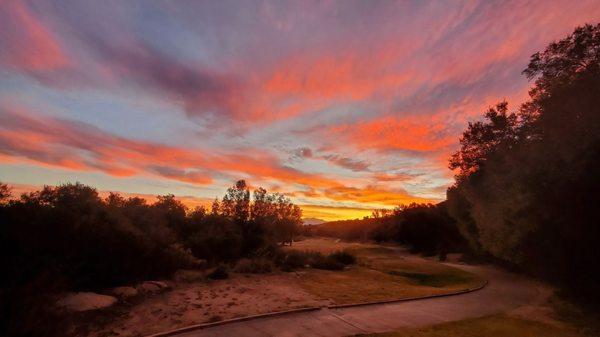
point(504, 291)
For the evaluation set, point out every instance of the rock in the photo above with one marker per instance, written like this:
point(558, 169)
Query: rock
point(152, 287)
point(84, 301)
point(201, 264)
point(124, 292)
point(184, 275)
point(161, 284)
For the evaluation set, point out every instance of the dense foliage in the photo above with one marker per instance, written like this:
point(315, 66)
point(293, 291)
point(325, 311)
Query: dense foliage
point(526, 180)
point(424, 228)
point(68, 238)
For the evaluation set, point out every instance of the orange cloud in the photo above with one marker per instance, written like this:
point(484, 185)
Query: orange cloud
point(373, 195)
point(414, 133)
point(83, 147)
point(385, 177)
point(332, 213)
point(347, 76)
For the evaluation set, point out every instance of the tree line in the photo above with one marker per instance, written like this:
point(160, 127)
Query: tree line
point(69, 238)
point(424, 228)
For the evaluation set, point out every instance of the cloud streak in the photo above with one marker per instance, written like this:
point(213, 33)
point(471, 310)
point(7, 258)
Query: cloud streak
point(82, 147)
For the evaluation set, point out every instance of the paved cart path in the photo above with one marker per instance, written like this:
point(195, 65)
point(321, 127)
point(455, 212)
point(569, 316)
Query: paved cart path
point(504, 291)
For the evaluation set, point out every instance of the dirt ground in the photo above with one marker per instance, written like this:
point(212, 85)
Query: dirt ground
point(382, 273)
point(206, 301)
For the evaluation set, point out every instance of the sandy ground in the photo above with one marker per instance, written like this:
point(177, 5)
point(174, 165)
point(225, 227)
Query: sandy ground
point(198, 302)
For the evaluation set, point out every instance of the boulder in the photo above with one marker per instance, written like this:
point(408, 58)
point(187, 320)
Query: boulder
point(84, 301)
point(201, 264)
point(124, 292)
point(152, 287)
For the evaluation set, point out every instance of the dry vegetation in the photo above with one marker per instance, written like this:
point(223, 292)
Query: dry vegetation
point(382, 273)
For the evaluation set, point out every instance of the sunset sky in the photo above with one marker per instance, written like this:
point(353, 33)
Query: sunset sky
point(344, 106)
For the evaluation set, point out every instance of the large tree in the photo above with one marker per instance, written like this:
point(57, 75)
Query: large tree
point(525, 189)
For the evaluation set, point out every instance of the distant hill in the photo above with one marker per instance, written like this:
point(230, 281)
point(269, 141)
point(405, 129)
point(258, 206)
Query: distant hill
point(352, 230)
point(312, 221)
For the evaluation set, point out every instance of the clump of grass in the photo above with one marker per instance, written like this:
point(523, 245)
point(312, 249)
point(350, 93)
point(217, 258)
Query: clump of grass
point(259, 265)
point(294, 259)
point(334, 261)
point(220, 273)
point(327, 263)
point(343, 257)
point(291, 260)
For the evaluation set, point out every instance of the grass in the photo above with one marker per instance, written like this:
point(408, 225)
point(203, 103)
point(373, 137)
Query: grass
point(327, 245)
point(382, 273)
point(489, 326)
point(434, 280)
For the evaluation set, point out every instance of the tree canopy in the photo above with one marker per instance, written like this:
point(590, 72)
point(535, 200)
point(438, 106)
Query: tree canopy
point(526, 180)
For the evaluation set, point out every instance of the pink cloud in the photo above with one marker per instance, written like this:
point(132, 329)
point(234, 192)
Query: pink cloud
point(26, 43)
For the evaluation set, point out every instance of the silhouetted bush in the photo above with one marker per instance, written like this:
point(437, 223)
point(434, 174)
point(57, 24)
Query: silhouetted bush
point(326, 262)
point(258, 265)
point(290, 260)
point(343, 257)
point(219, 273)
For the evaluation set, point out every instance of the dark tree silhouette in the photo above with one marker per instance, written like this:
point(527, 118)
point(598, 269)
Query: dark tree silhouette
point(481, 139)
point(5, 192)
point(527, 193)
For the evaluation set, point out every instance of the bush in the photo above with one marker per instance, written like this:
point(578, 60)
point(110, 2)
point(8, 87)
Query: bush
point(291, 260)
point(220, 273)
point(259, 265)
point(343, 257)
point(327, 263)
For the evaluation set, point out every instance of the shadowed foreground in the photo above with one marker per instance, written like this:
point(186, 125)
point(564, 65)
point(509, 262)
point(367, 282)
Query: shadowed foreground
point(505, 291)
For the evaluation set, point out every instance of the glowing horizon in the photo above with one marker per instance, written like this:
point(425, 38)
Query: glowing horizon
point(343, 106)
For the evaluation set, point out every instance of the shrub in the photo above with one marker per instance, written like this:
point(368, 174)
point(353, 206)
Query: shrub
point(327, 263)
point(220, 273)
point(343, 257)
point(292, 259)
point(258, 265)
